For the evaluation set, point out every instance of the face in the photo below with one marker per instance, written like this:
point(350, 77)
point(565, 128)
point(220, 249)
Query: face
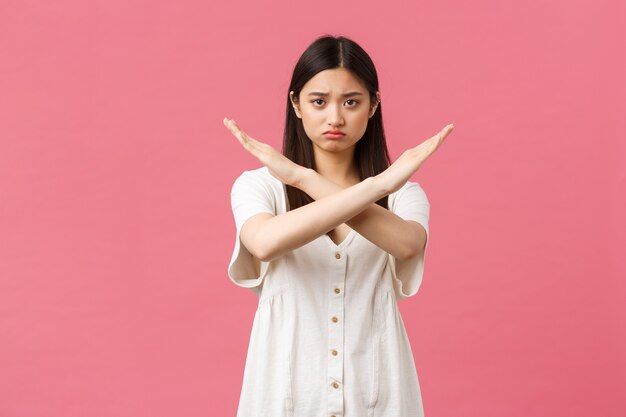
point(334, 99)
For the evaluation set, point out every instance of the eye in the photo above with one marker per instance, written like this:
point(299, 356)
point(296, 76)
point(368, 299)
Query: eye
point(349, 100)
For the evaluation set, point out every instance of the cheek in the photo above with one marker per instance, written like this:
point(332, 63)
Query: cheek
point(311, 121)
point(310, 116)
point(310, 126)
point(360, 121)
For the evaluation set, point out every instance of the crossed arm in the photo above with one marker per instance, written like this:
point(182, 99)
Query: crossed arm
point(267, 236)
point(396, 236)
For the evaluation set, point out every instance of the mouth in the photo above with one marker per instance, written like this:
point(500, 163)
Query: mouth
point(334, 134)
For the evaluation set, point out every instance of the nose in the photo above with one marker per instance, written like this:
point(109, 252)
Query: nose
point(335, 117)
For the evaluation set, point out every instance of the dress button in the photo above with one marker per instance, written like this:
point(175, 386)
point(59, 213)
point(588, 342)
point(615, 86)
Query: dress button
point(337, 255)
point(334, 319)
point(334, 352)
point(337, 290)
point(335, 385)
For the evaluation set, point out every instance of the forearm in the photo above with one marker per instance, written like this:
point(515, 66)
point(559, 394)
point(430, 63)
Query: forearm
point(383, 228)
point(298, 227)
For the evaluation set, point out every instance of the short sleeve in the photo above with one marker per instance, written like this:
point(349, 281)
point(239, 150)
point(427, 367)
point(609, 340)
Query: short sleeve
point(410, 203)
point(250, 195)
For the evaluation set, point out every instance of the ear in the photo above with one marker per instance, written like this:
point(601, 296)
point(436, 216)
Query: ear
point(374, 106)
point(295, 104)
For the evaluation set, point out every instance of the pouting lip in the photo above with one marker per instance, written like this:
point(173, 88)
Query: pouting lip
point(334, 132)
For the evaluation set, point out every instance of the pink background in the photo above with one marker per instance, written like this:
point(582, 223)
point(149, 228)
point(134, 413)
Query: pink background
point(115, 221)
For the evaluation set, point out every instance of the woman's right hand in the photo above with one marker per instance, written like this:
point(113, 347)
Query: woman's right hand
point(398, 173)
point(281, 167)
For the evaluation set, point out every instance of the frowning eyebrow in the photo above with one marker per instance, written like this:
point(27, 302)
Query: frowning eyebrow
point(349, 94)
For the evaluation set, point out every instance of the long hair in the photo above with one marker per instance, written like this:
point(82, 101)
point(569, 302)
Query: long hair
point(370, 154)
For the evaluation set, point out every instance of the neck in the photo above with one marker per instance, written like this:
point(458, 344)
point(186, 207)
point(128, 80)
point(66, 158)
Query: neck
point(340, 168)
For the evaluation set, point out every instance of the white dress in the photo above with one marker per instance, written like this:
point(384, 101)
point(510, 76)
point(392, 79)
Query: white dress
point(327, 337)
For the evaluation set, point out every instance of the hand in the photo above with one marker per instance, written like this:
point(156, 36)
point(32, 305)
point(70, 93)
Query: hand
point(398, 173)
point(281, 167)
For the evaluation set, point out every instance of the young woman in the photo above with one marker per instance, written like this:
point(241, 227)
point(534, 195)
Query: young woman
point(330, 235)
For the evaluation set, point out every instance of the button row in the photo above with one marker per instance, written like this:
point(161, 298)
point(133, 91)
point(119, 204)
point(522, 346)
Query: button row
point(335, 319)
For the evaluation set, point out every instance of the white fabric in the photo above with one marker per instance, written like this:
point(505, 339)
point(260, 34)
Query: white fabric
point(290, 368)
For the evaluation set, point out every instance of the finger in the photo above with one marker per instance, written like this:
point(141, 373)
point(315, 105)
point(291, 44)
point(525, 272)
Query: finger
point(249, 143)
point(232, 126)
point(236, 131)
point(240, 134)
point(444, 133)
point(434, 142)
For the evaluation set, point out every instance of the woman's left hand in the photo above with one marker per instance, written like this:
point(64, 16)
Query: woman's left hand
point(281, 167)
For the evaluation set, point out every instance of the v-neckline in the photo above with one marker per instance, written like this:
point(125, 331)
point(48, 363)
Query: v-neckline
point(344, 242)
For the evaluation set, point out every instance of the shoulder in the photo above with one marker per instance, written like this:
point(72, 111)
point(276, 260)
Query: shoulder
point(261, 174)
point(410, 193)
point(257, 180)
point(409, 187)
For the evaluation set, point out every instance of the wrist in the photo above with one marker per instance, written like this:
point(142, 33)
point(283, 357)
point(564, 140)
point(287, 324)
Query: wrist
point(303, 178)
point(380, 185)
